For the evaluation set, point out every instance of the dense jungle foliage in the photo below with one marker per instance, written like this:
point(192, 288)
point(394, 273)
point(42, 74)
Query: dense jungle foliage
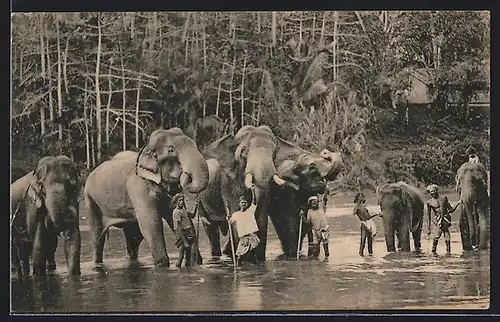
point(89, 85)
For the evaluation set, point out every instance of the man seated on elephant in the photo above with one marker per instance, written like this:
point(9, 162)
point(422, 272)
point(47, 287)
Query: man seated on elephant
point(471, 152)
point(368, 227)
point(442, 217)
point(320, 228)
point(473, 158)
point(183, 227)
point(246, 227)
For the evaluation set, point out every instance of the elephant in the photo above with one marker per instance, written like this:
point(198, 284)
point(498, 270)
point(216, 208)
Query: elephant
point(245, 160)
point(133, 191)
point(238, 163)
point(309, 172)
point(475, 210)
point(402, 208)
point(44, 204)
point(206, 130)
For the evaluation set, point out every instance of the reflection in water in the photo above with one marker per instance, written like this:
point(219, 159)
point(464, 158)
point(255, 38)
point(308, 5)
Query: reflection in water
point(345, 281)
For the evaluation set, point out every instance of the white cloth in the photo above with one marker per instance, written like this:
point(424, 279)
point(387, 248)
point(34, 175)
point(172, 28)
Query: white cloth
point(245, 221)
point(370, 225)
point(474, 160)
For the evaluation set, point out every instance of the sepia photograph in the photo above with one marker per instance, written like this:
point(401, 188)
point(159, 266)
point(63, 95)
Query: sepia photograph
point(249, 161)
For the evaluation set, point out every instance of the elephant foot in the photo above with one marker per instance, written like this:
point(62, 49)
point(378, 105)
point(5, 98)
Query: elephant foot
point(162, 262)
point(475, 248)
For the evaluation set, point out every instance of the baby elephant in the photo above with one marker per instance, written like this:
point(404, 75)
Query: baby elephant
point(44, 204)
point(402, 209)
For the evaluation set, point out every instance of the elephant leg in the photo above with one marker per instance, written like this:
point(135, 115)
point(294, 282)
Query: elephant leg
point(40, 249)
point(389, 235)
point(52, 241)
point(417, 242)
point(404, 236)
point(213, 234)
point(133, 238)
point(145, 196)
point(464, 230)
point(72, 249)
point(279, 227)
point(96, 230)
point(483, 227)
point(472, 222)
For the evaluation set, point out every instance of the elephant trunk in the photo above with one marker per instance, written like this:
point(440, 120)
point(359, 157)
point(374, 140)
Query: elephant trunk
point(56, 202)
point(260, 169)
point(336, 164)
point(194, 177)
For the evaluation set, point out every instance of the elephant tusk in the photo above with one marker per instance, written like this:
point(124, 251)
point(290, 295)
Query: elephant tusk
point(185, 179)
point(248, 180)
point(278, 180)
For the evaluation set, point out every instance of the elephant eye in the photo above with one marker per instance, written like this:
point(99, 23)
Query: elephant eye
point(312, 167)
point(170, 149)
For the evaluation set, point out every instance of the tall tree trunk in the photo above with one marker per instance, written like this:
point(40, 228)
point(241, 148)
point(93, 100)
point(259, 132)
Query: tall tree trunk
point(59, 83)
point(97, 89)
point(87, 120)
point(49, 76)
point(273, 28)
point(124, 102)
point(243, 90)
point(42, 60)
point(110, 95)
point(231, 113)
point(65, 65)
point(137, 103)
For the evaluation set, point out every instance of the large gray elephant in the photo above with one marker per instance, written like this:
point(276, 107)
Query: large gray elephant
point(472, 182)
point(248, 158)
point(133, 191)
point(402, 208)
point(308, 172)
point(236, 164)
point(44, 204)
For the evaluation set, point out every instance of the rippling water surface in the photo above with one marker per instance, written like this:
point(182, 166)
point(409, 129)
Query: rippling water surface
point(344, 281)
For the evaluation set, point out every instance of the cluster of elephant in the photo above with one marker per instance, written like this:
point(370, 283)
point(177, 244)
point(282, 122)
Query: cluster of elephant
point(402, 207)
point(133, 191)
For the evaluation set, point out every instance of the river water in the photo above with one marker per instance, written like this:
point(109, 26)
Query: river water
point(344, 281)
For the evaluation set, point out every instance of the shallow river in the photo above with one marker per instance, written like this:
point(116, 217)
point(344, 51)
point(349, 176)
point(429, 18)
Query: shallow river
point(344, 281)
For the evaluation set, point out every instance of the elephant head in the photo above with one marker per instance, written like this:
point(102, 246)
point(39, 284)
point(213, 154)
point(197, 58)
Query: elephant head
point(55, 186)
point(308, 172)
point(249, 155)
point(173, 158)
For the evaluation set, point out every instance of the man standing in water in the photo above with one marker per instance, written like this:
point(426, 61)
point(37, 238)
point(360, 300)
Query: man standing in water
point(320, 228)
point(442, 217)
point(246, 227)
point(368, 227)
point(184, 228)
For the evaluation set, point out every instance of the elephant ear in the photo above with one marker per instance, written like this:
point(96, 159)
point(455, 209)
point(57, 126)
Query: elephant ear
point(147, 166)
point(287, 171)
point(243, 131)
point(223, 151)
point(287, 151)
